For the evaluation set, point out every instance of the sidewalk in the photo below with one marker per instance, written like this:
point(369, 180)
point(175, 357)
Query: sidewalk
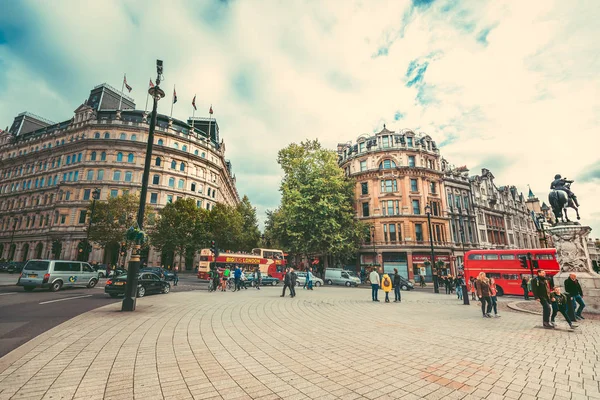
point(323, 344)
point(7, 279)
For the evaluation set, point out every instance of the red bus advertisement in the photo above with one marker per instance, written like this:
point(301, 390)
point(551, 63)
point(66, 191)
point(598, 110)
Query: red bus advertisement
point(270, 262)
point(505, 266)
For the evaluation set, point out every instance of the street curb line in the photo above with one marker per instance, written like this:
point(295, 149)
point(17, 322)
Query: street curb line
point(514, 306)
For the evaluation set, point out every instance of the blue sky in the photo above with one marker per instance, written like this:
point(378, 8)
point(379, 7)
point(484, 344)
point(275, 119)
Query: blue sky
point(508, 85)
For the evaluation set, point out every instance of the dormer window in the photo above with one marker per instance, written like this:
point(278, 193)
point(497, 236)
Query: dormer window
point(387, 164)
point(385, 142)
point(361, 147)
point(409, 142)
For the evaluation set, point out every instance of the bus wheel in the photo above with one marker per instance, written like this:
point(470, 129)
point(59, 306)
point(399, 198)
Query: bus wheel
point(499, 291)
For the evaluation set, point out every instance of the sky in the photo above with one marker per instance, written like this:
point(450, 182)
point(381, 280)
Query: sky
point(507, 85)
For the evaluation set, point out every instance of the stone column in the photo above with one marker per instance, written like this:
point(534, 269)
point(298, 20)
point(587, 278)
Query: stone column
point(570, 240)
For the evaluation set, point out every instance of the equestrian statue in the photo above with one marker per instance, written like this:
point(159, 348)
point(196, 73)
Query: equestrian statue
point(561, 197)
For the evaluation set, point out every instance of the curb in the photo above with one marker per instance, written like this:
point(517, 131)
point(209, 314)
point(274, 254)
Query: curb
point(514, 306)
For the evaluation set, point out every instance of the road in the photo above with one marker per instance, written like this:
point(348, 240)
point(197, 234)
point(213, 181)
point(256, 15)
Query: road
point(24, 315)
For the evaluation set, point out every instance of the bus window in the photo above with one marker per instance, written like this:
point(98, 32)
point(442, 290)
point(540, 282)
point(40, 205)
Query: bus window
point(475, 257)
point(267, 254)
point(507, 256)
point(203, 258)
point(491, 257)
point(512, 277)
point(543, 256)
point(493, 275)
point(256, 252)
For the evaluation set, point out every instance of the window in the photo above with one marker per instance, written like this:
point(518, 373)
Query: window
point(93, 156)
point(182, 167)
point(130, 158)
point(156, 180)
point(363, 165)
point(492, 275)
point(90, 175)
point(153, 198)
point(193, 187)
point(123, 136)
point(385, 141)
point(114, 193)
point(543, 257)
point(128, 176)
point(157, 162)
point(171, 182)
point(176, 145)
point(67, 163)
point(181, 184)
point(103, 156)
point(361, 147)
point(435, 210)
point(173, 165)
point(432, 187)
point(160, 142)
point(117, 175)
point(416, 207)
point(411, 161)
point(458, 201)
point(419, 232)
point(63, 218)
point(392, 232)
point(169, 198)
point(365, 209)
point(196, 152)
point(134, 138)
point(97, 135)
point(413, 185)
point(82, 216)
point(364, 188)
point(79, 157)
point(184, 148)
point(389, 186)
point(388, 207)
point(106, 135)
point(86, 194)
point(100, 174)
point(119, 157)
point(387, 164)
point(466, 202)
point(507, 256)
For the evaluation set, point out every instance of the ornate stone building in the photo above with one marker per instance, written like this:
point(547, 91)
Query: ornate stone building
point(397, 175)
point(48, 172)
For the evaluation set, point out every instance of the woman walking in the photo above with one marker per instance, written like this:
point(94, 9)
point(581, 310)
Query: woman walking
point(482, 286)
point(493, 297)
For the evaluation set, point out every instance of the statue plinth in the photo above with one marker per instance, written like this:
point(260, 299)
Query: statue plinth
point(570, 240)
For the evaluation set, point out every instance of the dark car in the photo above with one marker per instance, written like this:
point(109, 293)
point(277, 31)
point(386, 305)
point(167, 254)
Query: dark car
point(147, 283)
point(264, 280)
point(162, 272)
point(405, 284)
point(14, 267)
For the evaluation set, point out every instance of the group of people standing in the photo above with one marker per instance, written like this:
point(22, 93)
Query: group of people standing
point(386, 283)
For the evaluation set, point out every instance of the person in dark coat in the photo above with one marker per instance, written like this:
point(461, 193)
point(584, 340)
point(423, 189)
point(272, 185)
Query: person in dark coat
point(559, 304)
point(398, 297)
point(540, 286)
point(287, 281)
point(482, 287)
point(525, 286)
point(293, 281)
point(573, 288)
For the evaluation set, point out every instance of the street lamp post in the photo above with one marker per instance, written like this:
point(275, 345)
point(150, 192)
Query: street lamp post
point(12, 237)
point(95, 196)
point(436, 288)
point(134, 263)
point(462, 241)
point(373, 241)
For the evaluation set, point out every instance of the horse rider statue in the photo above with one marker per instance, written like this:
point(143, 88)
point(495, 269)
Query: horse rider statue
point(564, 184)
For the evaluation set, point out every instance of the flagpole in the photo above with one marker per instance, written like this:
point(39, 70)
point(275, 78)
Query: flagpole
point(122, 87)
point(172, 102)
point(209, 121)
point(147, 96)
point(193, 115)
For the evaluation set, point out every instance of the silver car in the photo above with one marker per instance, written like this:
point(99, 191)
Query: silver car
point(302, 279)
point(55, 274)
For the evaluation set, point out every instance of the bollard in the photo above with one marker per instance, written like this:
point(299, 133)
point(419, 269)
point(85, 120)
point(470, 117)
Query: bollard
point(570, 308)
point(465, 295)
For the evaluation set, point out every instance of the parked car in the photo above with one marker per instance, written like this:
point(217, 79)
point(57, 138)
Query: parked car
point(302, 279)
point(55, 274)
point(12, 266)
point(148, 283)
point(264, 280)
point(163, 273)
point(405, 284)
point(338, 276)
point(101, 269)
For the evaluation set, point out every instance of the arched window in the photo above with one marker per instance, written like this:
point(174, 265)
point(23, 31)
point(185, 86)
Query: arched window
point(128, 176)
point(184, 147)
point(119, 156)
point(173, 165)
point(130, 157)
point(117, 175)
point(134, 137)
point(90, 175)
point(93, 156)
point(106, 135)
point(387, 164)
point(97, 135)
point(103, 156)
point(203, 154)
point(68, 162)
point(156, 180)
point(181, 184)
point(123, 136)
point(157, 162)
point(182, 167)
point(196, 152)
point(176, 145)
point(160, 142)
point(171, 182)
point(100, 175)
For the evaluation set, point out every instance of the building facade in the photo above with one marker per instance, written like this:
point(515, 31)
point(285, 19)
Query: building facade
point(49, 171)
point(397, 175)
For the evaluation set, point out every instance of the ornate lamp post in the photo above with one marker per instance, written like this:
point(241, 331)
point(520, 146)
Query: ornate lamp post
point(95, 196)
point(436, 288)
point(137, 234)
point(12, 237)
point(462, 241)
point(373, 241)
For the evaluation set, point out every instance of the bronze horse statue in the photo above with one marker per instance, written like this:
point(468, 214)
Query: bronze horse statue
point(559, 201)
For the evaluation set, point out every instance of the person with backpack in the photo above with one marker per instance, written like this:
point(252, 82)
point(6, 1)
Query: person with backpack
point(559, 304)
point(386, 285)
point(540, 286)
point(398, 297)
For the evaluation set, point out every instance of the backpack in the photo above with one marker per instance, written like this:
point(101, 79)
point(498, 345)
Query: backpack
point(386, 281)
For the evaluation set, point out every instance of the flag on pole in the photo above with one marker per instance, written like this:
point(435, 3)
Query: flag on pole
point(151, 84)
point(210, 111)
point(125, 83)
point(175, 96)
point(194, 103)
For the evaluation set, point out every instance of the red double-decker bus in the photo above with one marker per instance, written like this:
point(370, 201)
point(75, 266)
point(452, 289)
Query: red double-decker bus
point(270, 262)
point(505, 266)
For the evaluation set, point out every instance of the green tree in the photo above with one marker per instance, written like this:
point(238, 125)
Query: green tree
point(113, 217)
point(250, 234)
point(316, 213)
point(226, 225)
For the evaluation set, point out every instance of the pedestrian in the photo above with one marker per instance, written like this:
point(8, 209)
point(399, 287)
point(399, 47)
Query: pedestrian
point(287, 279)
point(525, 286)
point(257, 278)
point(243, 279)
point(309, 278)
point(493, 297)
point(540, 286)
point(449, 282)
point(176, 275)
point(458, 283)
point(559, 304)
point(374, 278)
point(363, 275)
point(573, 288)
point(386, 285)
point(421, 281)
point(237, 277)
point(293, 282)
point(472, 287)
point(482, 286)
point(226, 276)
point(397, 297)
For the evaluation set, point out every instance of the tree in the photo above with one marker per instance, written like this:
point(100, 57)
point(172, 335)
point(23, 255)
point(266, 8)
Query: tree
point(112, 218)
point(250, 234)
point(226, 225)
point(316, 213)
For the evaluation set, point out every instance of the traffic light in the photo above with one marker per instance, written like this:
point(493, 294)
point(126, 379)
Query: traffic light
point(523, 261)
point(123, 249)
point(213, 248)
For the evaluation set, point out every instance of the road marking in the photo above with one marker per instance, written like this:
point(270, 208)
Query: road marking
point(4, 294)
point(66, 298)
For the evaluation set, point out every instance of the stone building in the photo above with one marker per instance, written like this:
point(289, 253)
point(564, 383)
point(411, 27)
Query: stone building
point(397, 175)
point(49, 171)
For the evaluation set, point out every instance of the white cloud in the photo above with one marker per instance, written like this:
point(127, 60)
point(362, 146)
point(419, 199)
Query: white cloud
point(527, 94)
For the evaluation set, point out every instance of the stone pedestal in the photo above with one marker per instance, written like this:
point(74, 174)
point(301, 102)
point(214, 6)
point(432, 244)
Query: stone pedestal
point(570, 240)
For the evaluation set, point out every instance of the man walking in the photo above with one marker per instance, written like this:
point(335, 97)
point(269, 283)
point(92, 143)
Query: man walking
point(287, 279)
point(573, 288)
point(540, 286)
point(293, 280)
point(257, 278)
point(237, 276)
point(397, 296)
point(374, 278)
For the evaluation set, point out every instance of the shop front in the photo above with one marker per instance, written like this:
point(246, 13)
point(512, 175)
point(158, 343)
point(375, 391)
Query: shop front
point(398, 260)
point(420, 267)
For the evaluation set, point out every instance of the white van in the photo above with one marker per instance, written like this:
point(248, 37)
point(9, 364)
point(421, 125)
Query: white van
point(338, 276)
point(55, 274)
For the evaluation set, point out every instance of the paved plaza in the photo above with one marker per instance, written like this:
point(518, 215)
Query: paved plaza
point(326, 344)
